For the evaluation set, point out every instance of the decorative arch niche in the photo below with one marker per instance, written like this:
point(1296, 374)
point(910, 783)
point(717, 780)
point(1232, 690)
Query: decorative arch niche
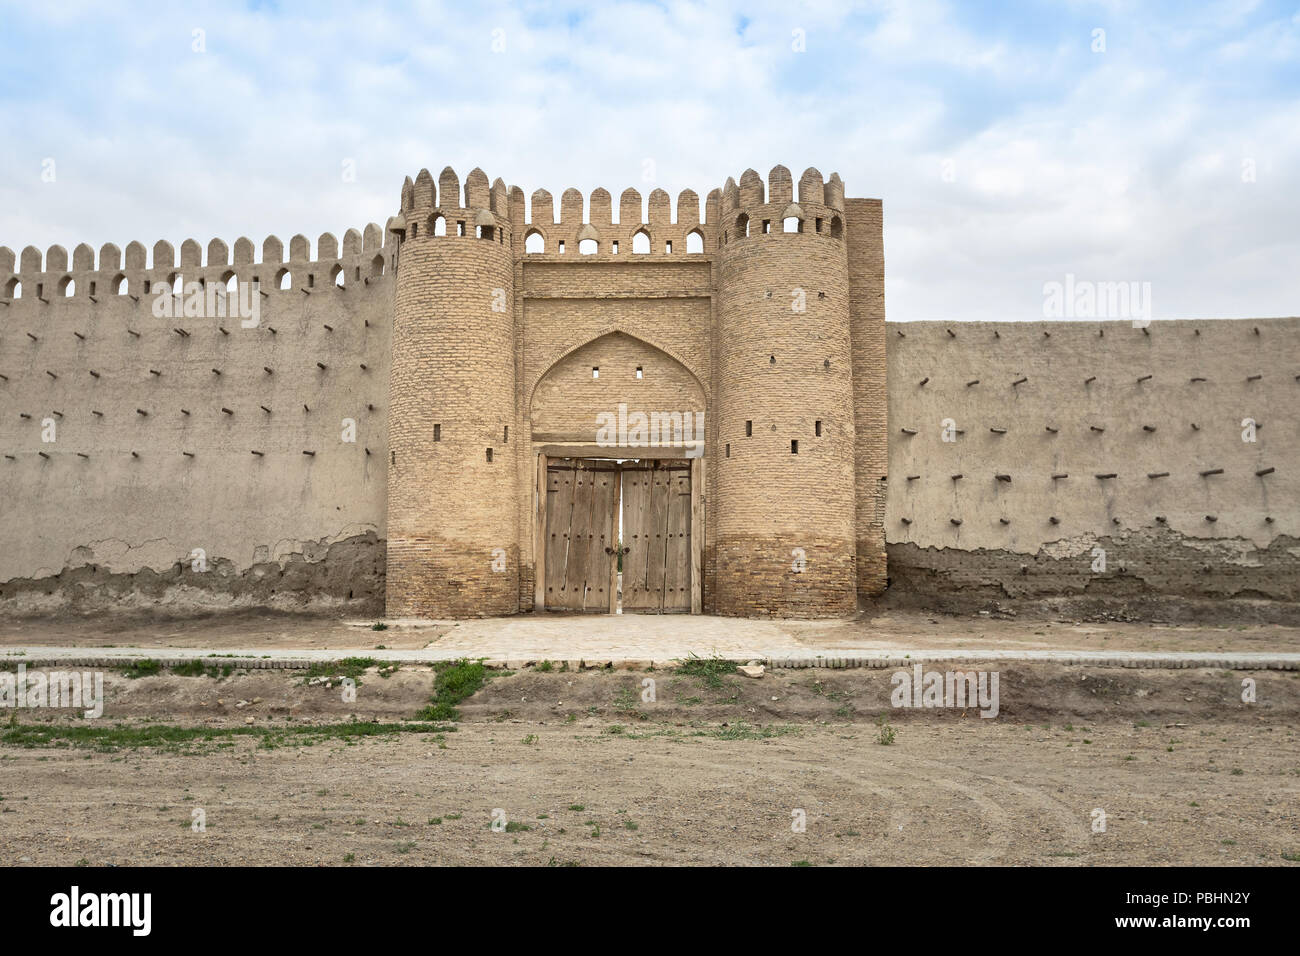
point(568, 397)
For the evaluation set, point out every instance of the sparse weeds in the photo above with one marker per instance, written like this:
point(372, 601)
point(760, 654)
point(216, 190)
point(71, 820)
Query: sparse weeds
point(709, 670)
point(454, 682)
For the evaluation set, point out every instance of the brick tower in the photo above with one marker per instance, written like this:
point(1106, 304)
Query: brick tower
point(785, 439)
point(453, 547)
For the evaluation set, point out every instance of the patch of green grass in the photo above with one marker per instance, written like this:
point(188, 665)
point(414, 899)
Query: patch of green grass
point(615, 729)
point(352, 667)
point(530, 739)
point(545, 667)
point(577, 807)
point(349, 857)
point(801, 863)
point(181, 739)
point(196, 668)
point(145, 668)
point(627, 702)
point(709, 670)
point(1291, 857)
point(743, 731)
point(454, 681)
point(379, 626)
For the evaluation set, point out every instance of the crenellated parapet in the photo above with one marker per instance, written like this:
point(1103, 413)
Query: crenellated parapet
point(642, 227)
point(430, 210)
point(38, 281)
point(747, 209)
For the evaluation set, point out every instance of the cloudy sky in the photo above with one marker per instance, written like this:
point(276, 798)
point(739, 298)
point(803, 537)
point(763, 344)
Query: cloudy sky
point(1011, 143)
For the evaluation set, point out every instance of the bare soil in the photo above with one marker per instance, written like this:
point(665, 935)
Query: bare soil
point(584, 771)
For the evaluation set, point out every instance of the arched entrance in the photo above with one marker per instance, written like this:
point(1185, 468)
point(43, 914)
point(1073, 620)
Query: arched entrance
point(618, 431)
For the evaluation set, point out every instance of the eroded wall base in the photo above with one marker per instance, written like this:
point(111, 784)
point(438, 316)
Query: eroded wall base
point(346, 575)
point(1150, 574)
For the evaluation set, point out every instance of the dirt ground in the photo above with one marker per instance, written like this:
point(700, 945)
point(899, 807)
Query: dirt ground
point(638, 636)
point(584, 771)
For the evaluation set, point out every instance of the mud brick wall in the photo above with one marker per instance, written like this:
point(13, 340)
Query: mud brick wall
point(195, 435)
point(1077, 436)
point(194, 462)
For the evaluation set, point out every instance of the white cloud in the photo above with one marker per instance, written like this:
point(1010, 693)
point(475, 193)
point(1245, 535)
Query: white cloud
point(1120, 165)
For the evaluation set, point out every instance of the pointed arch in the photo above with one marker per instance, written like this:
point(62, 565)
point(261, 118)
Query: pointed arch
point(568, 400)
point(558, 355)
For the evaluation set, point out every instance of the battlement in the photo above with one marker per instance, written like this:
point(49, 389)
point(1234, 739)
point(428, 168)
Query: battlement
point(363, 257)
point(642, 228)
point(530, 224)
point(430, 210)
point(748, 210)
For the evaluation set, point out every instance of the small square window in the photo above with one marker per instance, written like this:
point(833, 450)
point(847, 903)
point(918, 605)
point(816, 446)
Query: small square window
point(639, 372)
point(794, 446)
point(818, 428)
point(749, 429)
point(595, 371)
point(489, 455)
point(613, 247)
point(437, 433)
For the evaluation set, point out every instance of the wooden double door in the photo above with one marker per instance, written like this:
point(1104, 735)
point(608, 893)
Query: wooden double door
point(598, 511)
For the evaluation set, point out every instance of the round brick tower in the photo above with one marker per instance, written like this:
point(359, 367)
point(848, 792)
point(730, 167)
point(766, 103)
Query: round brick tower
point(453, 548)
point(785, 448)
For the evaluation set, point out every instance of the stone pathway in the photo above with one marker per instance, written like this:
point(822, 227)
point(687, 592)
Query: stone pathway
point(600, 657)
point(883, 640)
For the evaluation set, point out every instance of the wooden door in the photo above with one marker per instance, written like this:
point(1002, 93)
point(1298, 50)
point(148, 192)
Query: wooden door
point(581, 534)
point(657, 535)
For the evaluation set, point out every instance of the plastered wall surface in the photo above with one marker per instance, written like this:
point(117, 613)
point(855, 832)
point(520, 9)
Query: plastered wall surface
point(374, 445)
point(1073, 436)
point(155, 422)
